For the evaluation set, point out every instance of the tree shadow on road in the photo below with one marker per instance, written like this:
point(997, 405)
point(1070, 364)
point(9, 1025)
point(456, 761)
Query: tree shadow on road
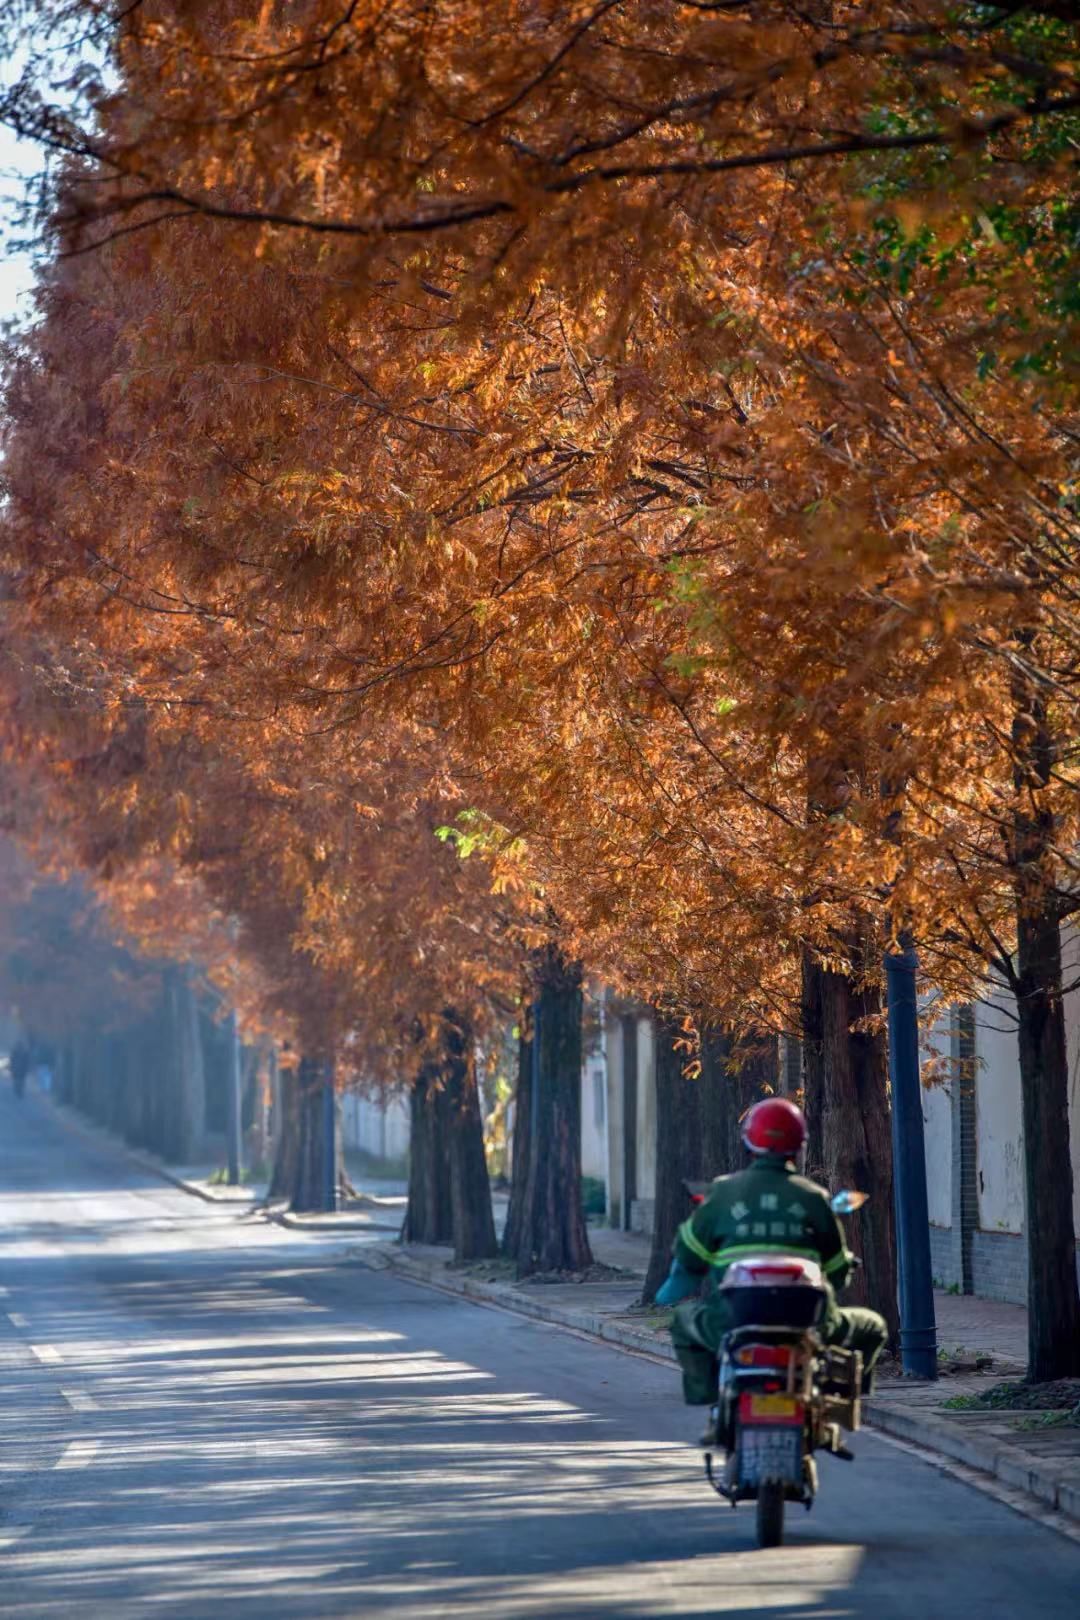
point(279, 1435)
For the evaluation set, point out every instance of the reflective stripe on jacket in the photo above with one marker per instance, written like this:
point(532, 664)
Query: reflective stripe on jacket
point(765, 1209)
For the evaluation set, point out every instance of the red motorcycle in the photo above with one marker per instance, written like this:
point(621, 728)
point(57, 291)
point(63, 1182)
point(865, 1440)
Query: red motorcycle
point(783, 1394)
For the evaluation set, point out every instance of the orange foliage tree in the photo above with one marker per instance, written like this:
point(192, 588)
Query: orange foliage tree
point(624, 395)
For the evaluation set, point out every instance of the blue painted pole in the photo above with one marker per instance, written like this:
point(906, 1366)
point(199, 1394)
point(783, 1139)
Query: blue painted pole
point(918, 1329)
point(330, 1200)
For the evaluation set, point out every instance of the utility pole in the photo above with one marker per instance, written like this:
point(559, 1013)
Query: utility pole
point(918, 1329)
point(233, 1143)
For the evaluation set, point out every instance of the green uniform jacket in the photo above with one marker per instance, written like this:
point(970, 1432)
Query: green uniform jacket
point(766, 1209)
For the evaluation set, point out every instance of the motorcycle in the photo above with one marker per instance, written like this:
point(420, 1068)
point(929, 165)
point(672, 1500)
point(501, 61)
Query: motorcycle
point(783, 1394)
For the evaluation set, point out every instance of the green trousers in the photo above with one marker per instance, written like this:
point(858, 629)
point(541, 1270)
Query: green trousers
point(699, 1325)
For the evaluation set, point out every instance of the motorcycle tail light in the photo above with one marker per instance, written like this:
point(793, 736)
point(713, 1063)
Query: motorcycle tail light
point(763, 1355)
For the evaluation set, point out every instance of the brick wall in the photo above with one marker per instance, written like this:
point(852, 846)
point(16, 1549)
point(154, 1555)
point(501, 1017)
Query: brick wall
point(999, 1266)
point(943, 1257)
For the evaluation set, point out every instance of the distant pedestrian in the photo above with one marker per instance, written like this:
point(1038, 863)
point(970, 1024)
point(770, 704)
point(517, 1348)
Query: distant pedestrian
point(19, 1064)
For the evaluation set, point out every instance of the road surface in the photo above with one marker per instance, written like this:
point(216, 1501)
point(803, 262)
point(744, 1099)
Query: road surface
point(205, 1416)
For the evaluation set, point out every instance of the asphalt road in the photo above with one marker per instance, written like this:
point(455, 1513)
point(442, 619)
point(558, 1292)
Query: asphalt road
point(202, 1415)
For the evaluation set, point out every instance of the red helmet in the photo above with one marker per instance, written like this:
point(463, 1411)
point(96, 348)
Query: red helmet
point(774, 1126)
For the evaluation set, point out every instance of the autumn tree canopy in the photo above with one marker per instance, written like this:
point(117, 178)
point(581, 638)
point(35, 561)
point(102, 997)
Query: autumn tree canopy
point(636, 438)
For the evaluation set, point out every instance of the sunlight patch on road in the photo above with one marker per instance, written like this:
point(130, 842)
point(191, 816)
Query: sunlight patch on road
point(250, 1347)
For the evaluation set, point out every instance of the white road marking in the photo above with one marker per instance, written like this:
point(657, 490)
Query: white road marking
point(79, 1454)
point(47, 1353)
point(80, 1402)
point(3, 1293)
point(16, 1320)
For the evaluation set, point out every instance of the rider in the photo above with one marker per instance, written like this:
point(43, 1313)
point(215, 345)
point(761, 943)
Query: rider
point(19, 1064)
point(764, 1209)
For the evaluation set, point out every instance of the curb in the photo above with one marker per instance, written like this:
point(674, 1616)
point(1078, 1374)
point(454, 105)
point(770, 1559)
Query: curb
point(433, 1275)
point(303, 1223)
point(1011, 1466)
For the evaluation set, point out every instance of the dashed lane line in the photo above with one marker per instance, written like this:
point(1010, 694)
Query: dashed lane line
point(79, 1454)
point(79, 1401)
point(47, 1353)
point(17, 1320)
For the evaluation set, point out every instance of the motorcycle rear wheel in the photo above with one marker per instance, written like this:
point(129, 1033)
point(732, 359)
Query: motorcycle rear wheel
point(770, 1515)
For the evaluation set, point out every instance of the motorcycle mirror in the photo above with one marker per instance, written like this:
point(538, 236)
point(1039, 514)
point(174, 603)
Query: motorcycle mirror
point(847, 1201)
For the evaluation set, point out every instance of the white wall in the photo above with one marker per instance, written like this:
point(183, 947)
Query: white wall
point(594, 1116)
point(614, 1054)
point(999, 1132)
point(646, 1108)
point(937, 1120)
point(1071, 966)
point(379, 1126)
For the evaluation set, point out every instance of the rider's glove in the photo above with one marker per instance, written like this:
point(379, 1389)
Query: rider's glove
point(680, 1284)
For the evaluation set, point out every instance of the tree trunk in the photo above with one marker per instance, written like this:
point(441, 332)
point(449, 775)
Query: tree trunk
point(553, 1235)
point(856, 1143)
point(428, 1215)
point(813, 1045)
point(519, 1169)
point(65, 1073)
point(755, 1060)
point(185, 1105)
point(315, 1188)
point(287, 1147)
point(680, 1149)
point(193, 1109)
point(128, 1100)
point(1053, 1302)
point(1053, 1296)
point(470, 1186)
point(719, 1106)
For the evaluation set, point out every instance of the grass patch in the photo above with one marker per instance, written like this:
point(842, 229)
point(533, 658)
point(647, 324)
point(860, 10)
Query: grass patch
point(220, 1176)
point(1062, 1396)
point(1052, 1420)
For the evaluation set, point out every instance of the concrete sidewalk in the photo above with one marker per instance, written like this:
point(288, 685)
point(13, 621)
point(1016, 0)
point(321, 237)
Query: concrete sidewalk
point(983, 1343)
